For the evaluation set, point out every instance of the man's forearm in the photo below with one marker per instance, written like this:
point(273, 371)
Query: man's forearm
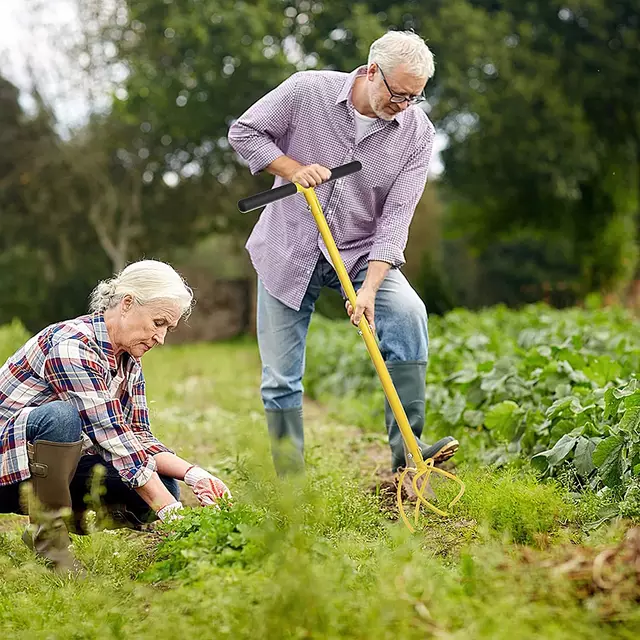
point(284, 167)
point(376, 273)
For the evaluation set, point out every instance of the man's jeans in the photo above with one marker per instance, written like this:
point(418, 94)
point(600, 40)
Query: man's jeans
point(400, 319)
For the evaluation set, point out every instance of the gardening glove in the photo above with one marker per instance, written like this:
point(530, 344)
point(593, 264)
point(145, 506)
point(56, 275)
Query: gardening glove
point(169, 512)
point(207, 488)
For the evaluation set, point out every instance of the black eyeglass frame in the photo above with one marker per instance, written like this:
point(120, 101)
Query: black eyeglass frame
point(396, 98)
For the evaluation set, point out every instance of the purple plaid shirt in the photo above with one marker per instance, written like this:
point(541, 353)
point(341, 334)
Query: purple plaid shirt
point(309, 118)
point(74, 361)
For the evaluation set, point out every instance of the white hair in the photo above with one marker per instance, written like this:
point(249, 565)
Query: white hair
point(145, 281)
point(403, 47)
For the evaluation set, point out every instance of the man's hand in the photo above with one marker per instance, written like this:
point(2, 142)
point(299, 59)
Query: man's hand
point(207, 488)
point(310, 176)
point(365, 304)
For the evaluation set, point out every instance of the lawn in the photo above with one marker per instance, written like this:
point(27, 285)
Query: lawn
point(541, 544)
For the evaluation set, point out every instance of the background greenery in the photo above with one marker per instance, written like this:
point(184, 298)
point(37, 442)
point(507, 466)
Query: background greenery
point(538, 102)
point(523, 554)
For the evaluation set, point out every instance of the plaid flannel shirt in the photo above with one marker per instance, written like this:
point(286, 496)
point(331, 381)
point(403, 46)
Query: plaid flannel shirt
point(309, 118)
point(74, 361)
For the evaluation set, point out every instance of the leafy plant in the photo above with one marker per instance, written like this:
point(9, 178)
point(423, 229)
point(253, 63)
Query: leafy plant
point(558, 387)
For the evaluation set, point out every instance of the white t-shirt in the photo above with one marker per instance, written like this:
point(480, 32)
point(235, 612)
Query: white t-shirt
point(363, 124)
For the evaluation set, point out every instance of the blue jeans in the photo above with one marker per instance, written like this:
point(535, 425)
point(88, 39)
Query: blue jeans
point(60, 421)
point(56, 422)
point(400, 319)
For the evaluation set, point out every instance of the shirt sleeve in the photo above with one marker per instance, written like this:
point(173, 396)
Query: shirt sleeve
point(140, 419)
point(393, 225)
point(254, 134)
point(78, 375)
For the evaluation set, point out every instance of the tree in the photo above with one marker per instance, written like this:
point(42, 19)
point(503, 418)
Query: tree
point(544, 126)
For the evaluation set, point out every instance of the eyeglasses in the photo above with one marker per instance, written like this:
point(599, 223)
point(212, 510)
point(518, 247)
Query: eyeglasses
point(397, 98)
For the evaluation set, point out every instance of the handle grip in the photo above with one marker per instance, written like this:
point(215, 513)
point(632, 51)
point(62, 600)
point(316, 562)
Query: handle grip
point(272, 195)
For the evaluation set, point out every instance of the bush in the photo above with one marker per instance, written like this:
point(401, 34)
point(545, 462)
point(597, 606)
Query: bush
point(12, 337)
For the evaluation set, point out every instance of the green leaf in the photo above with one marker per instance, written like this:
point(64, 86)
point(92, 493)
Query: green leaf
point(564, 407)
point(608, 458)
point(561, 428)
point(630, 422)
point(473, 418)
point(561, 450)
point(632, 401)
point(540, 461)
point(583, 456)
point(628, 390)
point(452, 409)
point(463, 377)
point(498, 375)
point(611, 403)
point(553, 457)
point(603, 369)
point(502, 419)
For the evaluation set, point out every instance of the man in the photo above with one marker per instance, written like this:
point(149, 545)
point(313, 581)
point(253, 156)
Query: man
point(314, 121)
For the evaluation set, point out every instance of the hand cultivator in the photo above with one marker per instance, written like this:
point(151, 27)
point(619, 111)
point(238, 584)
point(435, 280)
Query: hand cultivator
point(418, 469)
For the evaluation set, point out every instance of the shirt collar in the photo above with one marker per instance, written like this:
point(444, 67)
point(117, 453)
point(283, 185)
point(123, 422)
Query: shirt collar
point(347, 87)
point(102, 338)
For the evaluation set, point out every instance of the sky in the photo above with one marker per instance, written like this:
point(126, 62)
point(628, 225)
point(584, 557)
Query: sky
point(23, 43)
point(19, 42)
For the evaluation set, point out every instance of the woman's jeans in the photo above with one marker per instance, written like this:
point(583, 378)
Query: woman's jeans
point(60, 422)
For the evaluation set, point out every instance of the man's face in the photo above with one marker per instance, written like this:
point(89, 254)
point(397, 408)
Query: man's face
point(400, 82)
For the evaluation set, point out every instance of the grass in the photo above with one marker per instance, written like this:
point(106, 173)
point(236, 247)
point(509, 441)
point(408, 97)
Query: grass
point(316, 557)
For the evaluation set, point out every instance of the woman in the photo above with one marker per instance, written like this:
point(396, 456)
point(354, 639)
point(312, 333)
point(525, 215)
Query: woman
point(73, 397)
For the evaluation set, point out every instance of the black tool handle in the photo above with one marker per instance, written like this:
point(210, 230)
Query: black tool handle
point(266, 197)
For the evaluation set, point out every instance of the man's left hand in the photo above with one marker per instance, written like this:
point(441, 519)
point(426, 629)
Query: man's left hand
point(365, 304)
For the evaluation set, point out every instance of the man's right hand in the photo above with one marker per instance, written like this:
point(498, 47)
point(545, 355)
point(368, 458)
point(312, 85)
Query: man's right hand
point(310, 176)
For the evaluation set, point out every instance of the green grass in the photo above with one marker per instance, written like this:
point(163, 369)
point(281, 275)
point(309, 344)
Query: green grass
point(316, 557)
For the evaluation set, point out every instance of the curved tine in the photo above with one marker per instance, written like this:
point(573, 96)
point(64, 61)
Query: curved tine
point(446, 474)
point(420, 491)
point(403, 515)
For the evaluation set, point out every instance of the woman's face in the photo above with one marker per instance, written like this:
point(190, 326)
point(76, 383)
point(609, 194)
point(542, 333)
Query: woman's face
point(142, 327)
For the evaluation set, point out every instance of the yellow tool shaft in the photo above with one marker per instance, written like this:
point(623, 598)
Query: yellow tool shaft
point(365, 329)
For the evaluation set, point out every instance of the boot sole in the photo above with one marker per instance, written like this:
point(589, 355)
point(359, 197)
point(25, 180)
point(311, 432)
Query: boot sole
point(447, 451)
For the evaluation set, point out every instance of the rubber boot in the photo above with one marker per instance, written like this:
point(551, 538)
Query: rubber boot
point(409, 381)
point(52, 465)
point(287, 439)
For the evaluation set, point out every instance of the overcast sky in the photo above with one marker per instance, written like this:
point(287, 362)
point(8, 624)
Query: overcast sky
point(23, 42)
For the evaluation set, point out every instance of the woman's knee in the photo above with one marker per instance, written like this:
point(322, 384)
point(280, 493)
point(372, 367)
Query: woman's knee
point(56, 421)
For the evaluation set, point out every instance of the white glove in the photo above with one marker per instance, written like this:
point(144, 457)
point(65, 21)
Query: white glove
point(207, 488)
point(170, 512)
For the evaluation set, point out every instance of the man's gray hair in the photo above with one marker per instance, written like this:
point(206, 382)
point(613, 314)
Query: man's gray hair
point(145, 281)
point(403, 47)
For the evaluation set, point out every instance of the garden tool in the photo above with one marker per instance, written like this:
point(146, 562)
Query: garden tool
point(417, 468)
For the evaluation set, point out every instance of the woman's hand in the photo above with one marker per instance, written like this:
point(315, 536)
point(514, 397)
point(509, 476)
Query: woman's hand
point(170, 512)
point(206, 487)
